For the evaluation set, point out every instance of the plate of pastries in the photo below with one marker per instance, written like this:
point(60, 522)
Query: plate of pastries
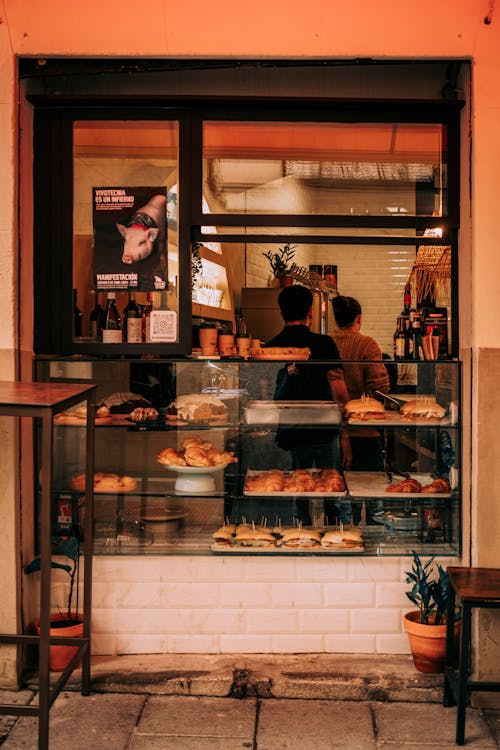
point(195, 454)
point(301, 482)
point(106, 482)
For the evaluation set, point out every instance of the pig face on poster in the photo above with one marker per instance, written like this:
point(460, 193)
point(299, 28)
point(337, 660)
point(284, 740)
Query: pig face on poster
point(145, 228)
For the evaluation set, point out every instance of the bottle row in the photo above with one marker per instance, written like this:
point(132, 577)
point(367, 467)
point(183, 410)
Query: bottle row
point(133, 325)
point(421, 334)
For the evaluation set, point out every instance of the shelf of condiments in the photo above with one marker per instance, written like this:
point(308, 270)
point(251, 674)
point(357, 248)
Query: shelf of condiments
point(133, 325)
point(421, 334)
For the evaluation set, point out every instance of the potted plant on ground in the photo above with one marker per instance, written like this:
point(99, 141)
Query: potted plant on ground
point(280, 262)
point(68, 622)
point(426, 626)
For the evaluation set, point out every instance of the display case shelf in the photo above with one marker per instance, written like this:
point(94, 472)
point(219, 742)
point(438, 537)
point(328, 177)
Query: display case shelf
point(389, 523)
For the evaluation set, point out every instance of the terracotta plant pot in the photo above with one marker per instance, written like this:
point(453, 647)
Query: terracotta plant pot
point(427, 643)
point(286, 280)
point(60, 656)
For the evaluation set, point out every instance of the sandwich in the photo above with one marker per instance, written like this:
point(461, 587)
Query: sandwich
point(422, 408)
point(345, 538)
point(300, 538)
point(254, 538)
point(225, 534)
point(365, 408)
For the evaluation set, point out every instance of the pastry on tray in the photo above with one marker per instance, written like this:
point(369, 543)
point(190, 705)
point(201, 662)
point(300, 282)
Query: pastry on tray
point(106, 482)
point(195, 452)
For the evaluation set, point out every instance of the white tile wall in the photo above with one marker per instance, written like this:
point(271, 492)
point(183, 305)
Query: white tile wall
point(374, 275)
point(249, 605)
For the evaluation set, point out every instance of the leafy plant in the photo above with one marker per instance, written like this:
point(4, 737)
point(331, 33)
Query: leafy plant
point(70, 548)
point(280, 260)
point(429, 591)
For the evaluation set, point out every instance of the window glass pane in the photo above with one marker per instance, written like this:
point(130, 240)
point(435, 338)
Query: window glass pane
point(322, 168)
point(125, 235)
point(375, 274)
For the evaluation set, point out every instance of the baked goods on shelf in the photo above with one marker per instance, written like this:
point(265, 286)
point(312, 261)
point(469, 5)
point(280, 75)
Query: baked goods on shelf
point(195, 452)
point(422, 408)
point(413, 486)
point(296, 481)
point(300, 538)
point(144, 414)
point(280, 538)
point(364, 408)
point(280, 352)
point(78, 415)
point(197, 408)
point(106, 482)
point(438, 485)
point(123, 403)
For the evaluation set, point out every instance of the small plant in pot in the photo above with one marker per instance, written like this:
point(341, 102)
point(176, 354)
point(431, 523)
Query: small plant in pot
point(281, 263)
point(67, 622)
point(426, 626)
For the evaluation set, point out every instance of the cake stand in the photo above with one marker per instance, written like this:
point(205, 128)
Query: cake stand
point(195, 480)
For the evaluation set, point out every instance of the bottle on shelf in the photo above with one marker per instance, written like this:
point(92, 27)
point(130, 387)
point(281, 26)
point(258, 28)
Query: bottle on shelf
point(400, 339)
point(111, 322)
point(77, 317)
point(407, 300)
point(96, 320)
point(416, 334)
point(132, 322)
point(146, 317)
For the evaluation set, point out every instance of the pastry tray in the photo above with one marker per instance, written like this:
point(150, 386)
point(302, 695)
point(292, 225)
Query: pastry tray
point(293, 412)
point(288, 493)
point(374, 484)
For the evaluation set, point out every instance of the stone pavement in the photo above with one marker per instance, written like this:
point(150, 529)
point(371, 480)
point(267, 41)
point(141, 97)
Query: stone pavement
point(153, 703)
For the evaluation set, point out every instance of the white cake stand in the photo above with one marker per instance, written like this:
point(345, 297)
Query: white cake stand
point(195, 480)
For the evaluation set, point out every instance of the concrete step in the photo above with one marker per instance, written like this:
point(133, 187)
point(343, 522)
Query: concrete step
point(311, 676)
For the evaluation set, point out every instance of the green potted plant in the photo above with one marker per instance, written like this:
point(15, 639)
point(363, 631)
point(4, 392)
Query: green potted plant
point(281, 262)
point(426, 626)
point(67, 622)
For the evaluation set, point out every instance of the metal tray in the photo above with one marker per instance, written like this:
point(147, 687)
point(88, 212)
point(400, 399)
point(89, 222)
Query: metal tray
point(293, 412)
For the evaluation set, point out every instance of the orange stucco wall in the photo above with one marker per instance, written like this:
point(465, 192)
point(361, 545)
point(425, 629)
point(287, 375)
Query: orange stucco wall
point(295, 29)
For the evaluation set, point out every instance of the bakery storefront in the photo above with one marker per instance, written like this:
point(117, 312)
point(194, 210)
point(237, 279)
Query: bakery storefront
point(162, 205)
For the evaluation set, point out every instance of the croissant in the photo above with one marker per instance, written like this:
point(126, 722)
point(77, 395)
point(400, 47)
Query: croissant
point(170, 457)
point(193, 440)
point(335, 484)
point(195, 456)
point(438, 485)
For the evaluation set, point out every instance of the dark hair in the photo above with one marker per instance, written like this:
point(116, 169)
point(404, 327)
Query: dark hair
point(345, 310)
point(295, 302)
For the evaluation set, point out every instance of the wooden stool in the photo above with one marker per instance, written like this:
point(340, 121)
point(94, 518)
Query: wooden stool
point(473, 587)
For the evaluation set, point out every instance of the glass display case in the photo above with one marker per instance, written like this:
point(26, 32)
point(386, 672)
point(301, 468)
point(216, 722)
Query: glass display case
point(206, 457)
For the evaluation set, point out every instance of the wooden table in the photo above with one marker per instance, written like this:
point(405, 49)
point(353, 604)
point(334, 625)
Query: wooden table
point(472, 587)
point(43, 401)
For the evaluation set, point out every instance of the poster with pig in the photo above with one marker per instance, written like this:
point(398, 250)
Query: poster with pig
point(130, 243)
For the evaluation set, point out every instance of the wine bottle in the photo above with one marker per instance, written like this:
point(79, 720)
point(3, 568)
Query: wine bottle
point(146, 317)
point(400, 348)
point(132, 322)
point(96, 320)
point(77, 317)
point(418, 347)
point(407, 300)
point(111, 323)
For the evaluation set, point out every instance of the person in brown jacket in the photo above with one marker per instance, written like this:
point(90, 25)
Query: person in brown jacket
point(365, 374)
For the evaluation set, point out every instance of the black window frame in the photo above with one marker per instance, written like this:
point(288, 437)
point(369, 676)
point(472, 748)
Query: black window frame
point(53, 197)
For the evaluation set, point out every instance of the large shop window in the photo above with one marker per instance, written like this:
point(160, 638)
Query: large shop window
point(124, 195)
